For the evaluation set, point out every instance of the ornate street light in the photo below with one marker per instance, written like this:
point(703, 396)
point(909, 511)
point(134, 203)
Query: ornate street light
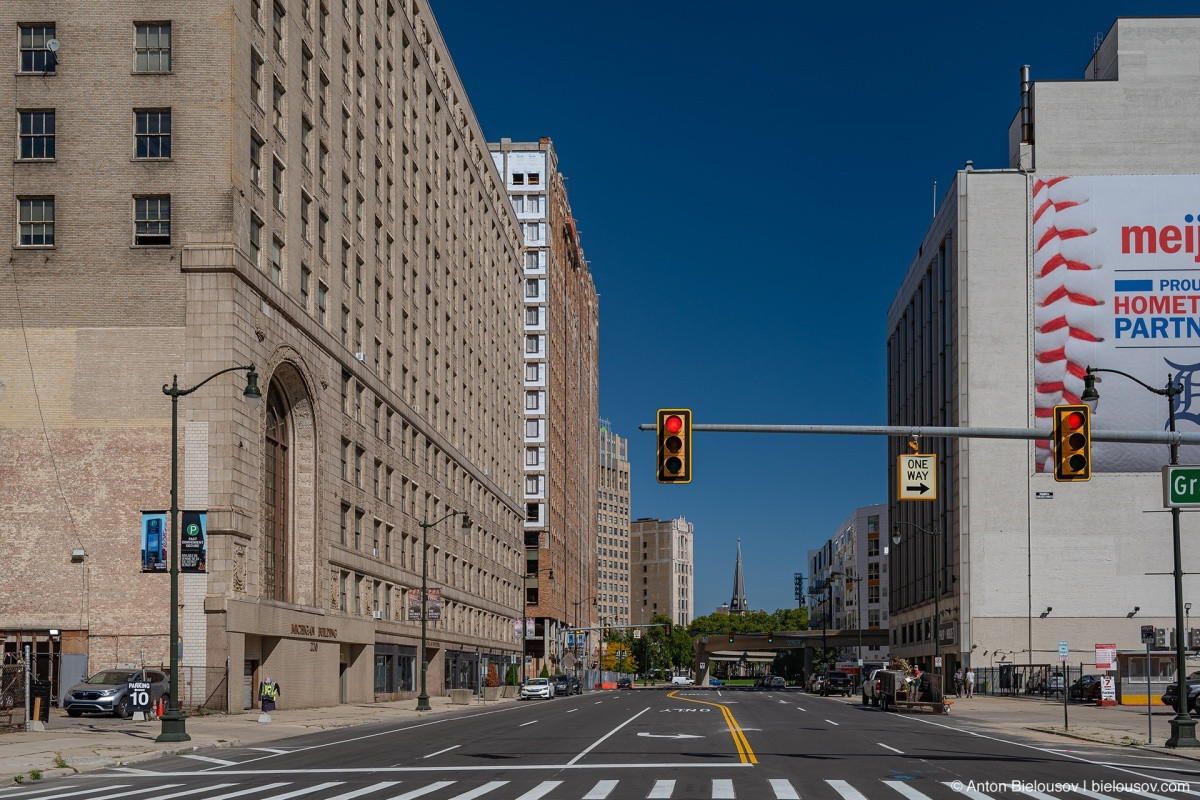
point(174, 721)
point(423, 697)
point(1183, 726)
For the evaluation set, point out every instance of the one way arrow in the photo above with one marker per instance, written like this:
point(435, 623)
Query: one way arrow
point(670, 735)
point(922, 489)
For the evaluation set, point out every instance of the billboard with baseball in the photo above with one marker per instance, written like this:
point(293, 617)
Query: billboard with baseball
point(1116, 285)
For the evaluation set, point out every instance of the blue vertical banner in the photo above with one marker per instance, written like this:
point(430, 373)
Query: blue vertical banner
point(154, 541)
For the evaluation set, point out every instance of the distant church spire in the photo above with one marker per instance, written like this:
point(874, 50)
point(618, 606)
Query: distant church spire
point(738, 604)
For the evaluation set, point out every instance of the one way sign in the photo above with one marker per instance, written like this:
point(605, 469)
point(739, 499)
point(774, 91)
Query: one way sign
point(917, 476)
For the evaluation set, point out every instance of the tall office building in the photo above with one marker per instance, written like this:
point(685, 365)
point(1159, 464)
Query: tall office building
point(661, 566)
point(612, 546)
point(561, 398)
point(1080, 252)
point(297, 185)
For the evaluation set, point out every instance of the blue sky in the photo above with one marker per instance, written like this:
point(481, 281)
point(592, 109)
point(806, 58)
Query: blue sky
point(750, 183)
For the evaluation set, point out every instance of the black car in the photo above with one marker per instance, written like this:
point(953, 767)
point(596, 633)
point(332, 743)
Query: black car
point(624, 683)
point(1171, 695)
point(1085, 687)
point(566, 684)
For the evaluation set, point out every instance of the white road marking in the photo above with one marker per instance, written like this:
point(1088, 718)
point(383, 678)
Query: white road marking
point(971, 793)
point(306, 790)
point(479, 791)
point(271, 750)
point(1036, 795)
point(220, 761)
point(365, 790)
point(444, 750)
point(597, 743)
point(784, 789)
point(906, 790)
point(186, 792)
point(846, 790)
point(433, 787)
point(662, 790)
point(79, 793)
point(798, 708)
point(541, 790)
point(722, 789)
point(523, 724)
point(889, 747)
point(831, 722)
point(1094, 795)
point(119, 794)
point(601, 790)
point(572, 711)
point(240, 792)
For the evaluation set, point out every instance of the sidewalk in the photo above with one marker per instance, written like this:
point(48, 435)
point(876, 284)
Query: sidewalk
point(68, 746)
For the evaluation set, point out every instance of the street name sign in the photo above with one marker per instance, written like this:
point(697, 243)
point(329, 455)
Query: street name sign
point(916, 475)
point(1181, 487)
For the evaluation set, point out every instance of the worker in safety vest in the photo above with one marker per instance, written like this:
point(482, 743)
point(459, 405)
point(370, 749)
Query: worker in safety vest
point(268, 694)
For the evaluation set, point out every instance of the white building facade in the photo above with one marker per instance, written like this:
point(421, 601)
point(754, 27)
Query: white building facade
point(1081, 253)
point(661, 570)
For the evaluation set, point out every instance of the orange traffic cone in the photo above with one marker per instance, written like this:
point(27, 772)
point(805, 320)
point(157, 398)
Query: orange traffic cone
point(158, 708)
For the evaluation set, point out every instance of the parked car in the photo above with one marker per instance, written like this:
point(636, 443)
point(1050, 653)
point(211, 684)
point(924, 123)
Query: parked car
point(1171, 695)
point(870, 688)
point(1040, 683)
point(837, 682)
point(762, 681)
point(715, 682)
point(681, 680)
point(777, 682)
point(1085, 687)
point(566, 685)
point(624, 683)
point(107, 692)
point(541, 688)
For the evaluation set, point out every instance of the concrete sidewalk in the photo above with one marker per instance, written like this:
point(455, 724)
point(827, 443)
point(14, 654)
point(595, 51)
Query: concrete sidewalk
point(68, 746)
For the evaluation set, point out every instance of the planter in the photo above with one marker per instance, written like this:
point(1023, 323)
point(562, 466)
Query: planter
point(509, 691)
point(491, 692)
point(460, 697)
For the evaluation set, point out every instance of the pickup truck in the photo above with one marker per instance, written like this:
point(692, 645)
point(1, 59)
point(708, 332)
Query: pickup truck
point(836, 682)
point(870, 689)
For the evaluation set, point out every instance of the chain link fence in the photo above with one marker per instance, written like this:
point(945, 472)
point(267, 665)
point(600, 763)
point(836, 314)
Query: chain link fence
point(12, 697)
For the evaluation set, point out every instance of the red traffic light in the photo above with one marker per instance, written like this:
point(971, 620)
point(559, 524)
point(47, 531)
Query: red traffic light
point(673, 423)
point(1073, 420)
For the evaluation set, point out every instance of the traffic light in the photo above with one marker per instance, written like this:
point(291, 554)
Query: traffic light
point(770, 637)
point(667, 630)
point(605, 631)
point(1072, 443)
point(731, 637)
point(674, 445)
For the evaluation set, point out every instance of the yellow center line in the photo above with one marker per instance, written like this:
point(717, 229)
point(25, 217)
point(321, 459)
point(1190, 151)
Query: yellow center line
point(739, 738)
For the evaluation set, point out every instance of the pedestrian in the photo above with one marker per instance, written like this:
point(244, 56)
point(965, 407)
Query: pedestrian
point(958, 682)
point(969, 682)
point(268, 694)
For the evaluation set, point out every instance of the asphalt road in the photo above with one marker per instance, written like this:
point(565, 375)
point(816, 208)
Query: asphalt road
point(685, 744)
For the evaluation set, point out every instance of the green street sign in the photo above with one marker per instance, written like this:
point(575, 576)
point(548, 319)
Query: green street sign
point(1181, 487)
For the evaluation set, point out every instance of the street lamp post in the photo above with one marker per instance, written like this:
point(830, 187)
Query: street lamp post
point(936, 536)
point(1183, 726)
point(423, 697)
point(174, 721)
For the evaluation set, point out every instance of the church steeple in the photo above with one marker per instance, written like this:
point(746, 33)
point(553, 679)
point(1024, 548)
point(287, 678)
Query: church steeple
point(738, 604)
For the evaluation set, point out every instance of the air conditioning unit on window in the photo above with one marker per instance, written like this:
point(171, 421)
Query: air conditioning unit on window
point(375, 552)
point(361, 356)
point(378, 615)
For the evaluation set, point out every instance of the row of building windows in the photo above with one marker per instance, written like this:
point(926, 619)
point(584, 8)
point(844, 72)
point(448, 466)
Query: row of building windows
point(151, 220)
point(151, 48)
point(37, 134)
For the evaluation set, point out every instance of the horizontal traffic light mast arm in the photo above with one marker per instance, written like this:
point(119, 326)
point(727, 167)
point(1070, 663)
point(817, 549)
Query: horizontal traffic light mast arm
point(1147, 437)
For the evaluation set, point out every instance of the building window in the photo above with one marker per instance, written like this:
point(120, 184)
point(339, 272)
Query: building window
point(277, 112)
point(518, 179)
point(277, 28)
point(256, 146)
point(152, 134)
point(256, 227)
point(37, 134)
point(531, 288)
point(322, 297)
point(531, 371)
point(277, 184)
point(276, 498)
point(35, 56)
point(37, 221)
point(276, 261)
point(152, 47)
point(533, 179)
point(305, 281)
point(152, 220)
point(256, 77)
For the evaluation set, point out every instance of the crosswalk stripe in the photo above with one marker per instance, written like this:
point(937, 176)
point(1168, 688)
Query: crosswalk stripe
point(126, 794)
point(1094, 795)
point(846, 790)
point(240, 792)
point(479, 791)
point(433, 787)
point(304, 791)
point(222, 762)
point(541, 790)
point(662, 790)
point(365, 790)
point(906, 790)
point(186, 792)
point(783, 789)
point(971, 793)
point(722, 789)
point(79, 793)
point(601, 790)
point(1036, 795)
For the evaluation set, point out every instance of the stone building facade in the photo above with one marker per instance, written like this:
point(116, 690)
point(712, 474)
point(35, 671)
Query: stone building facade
point(300, 185)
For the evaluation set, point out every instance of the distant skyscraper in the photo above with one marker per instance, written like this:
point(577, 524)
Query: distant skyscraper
point(738, 604)
point(612, 539)
point(663, 549)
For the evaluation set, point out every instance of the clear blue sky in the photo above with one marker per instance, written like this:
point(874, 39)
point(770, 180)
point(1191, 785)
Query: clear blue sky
point(751, 182)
